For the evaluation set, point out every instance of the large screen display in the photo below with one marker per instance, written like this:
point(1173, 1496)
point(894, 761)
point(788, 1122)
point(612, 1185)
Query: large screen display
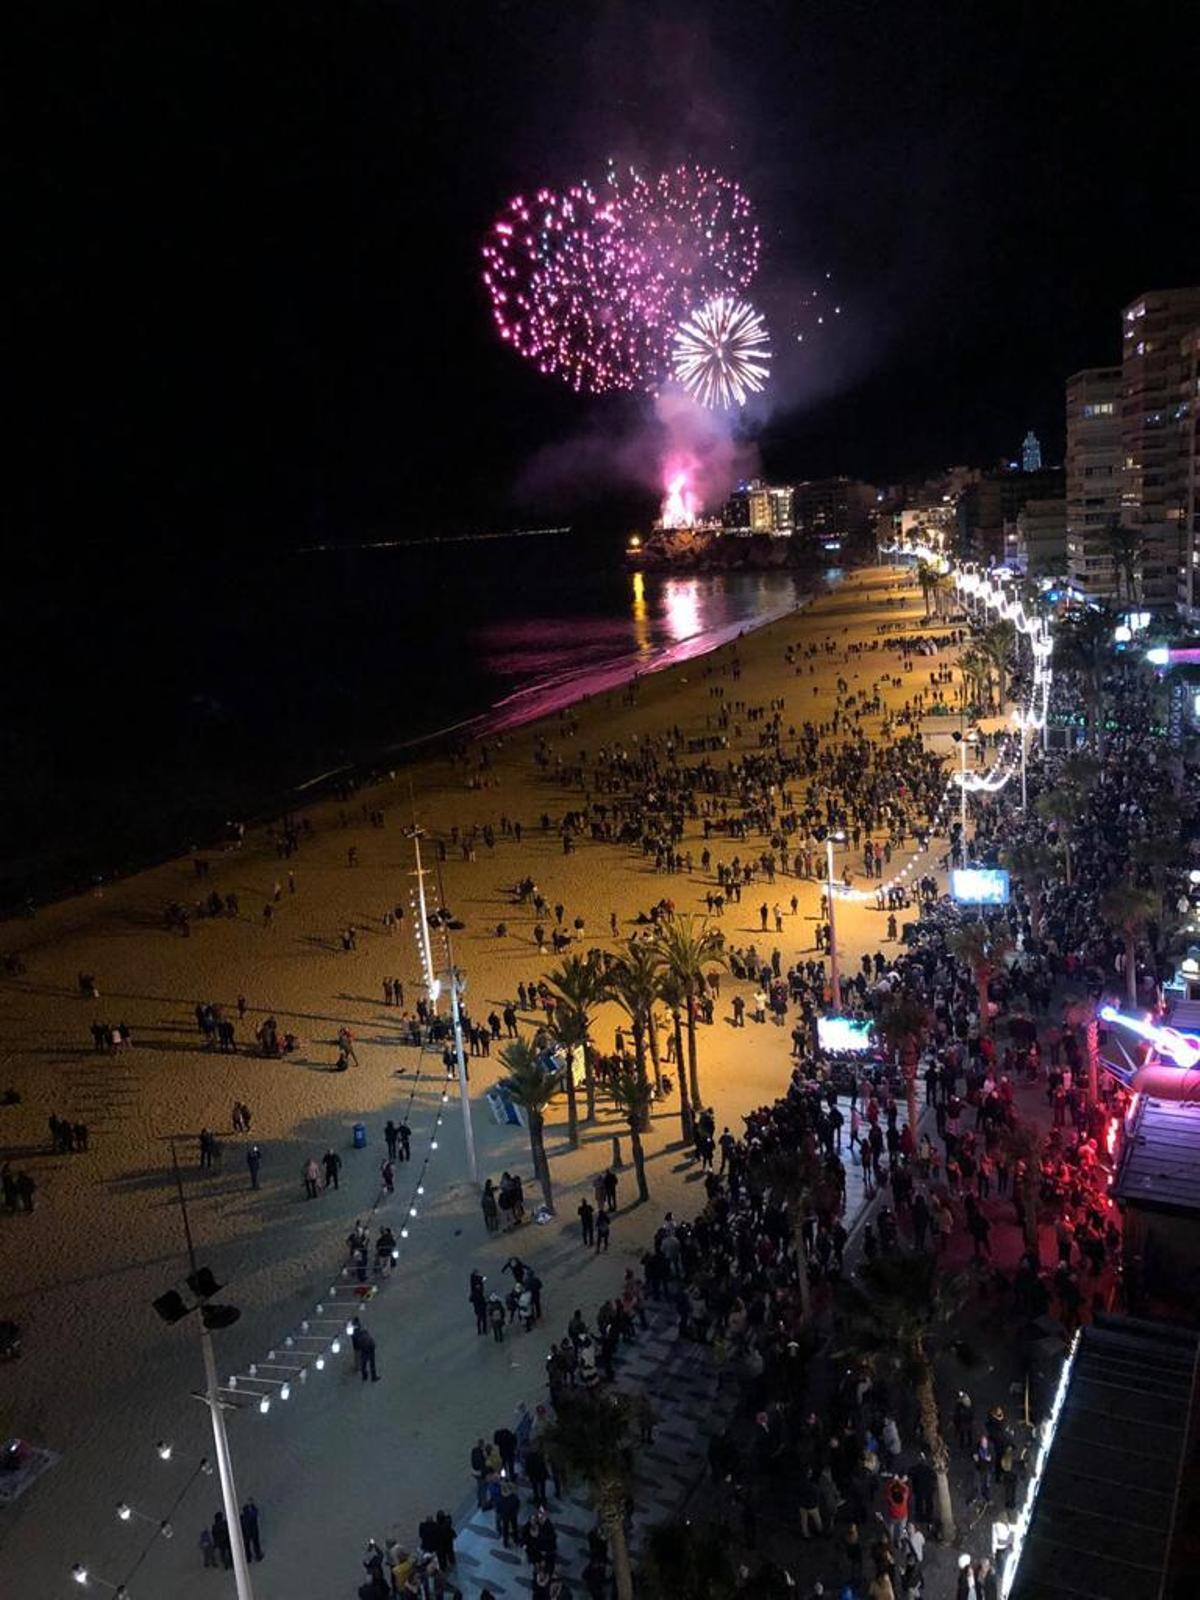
point(979, 886)
point(843, 1033)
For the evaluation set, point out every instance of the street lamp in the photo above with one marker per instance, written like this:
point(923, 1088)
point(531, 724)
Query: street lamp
point(83, 1577)
point(1019, 719)
point(962, 740)
point(171, 1307)
point(835, 979)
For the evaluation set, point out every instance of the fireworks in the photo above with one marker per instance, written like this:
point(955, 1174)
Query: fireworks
point(720, 353)
point(592, 289)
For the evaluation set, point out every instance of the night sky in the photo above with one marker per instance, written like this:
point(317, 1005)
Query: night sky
point(246, 239)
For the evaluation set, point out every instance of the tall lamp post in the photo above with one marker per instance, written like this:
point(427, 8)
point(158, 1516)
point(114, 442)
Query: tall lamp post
point(1019, 719)
point(835, 977)
point(171, 1307)
point(963, 740)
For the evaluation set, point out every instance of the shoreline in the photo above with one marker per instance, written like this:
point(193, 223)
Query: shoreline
point(531, 702)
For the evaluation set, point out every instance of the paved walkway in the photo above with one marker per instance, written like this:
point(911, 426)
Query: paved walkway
point(691, 1405)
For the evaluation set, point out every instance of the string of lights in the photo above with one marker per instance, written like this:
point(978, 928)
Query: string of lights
point(990, 593)
point(320, 1334)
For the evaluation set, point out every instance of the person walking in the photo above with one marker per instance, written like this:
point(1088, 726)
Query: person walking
point(311, 1174)
point(253, 1162)
point(222, 1541)
point(364, 1345)
point(250, 1531)
point(587, 1221)
point(602, 1232)
point(610, 1190)
point(391, 1134)
point(333, 1166)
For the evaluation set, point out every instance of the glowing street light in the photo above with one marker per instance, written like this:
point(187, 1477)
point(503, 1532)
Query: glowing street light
point(835, 978)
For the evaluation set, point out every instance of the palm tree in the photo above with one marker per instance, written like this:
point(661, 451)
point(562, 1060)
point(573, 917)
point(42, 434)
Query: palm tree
point(1130, 908)
point(903, 1023)
point(1023, 1144)
point(996, 645)
point(1060, 808)
point(632, 981)
point(1126, 546)
point(977, 677)
point(580, 986)
point(927, 578)
point(632, 1096)
point(687, 947)
point(592, 1436)
point(1031, 864)
point(1083, 643)
point(795, 1176)
point(671, 993)
point(1082, 1014)
point(983, 949)
point(905, 1299)
point(532, 1088)
point(943, 589)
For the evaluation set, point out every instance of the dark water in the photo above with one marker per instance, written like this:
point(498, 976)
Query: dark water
point(140, 712)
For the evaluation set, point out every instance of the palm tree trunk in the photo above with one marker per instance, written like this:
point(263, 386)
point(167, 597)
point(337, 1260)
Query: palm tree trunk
point(910, 1093)
point(685, 1100)
point(693, 1074)
point(572, 1107)
point(931, 1427)
point(803, 1284)
point(1131, 968)
point(1091, 1034)
point(652, 1040)
point(589, 1081)
point(981, 986)
point(614, 1526)
point(639, 1159)
point(541, 1166)
point(639, 1053)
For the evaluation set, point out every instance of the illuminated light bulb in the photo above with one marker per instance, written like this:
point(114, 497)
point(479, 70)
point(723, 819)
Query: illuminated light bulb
point(254, 1369)
point(285, 1391)
point(412, 1211)
point(446, 1097)
point(303, 1374)
point(396, 1253)
point(264, 1405)
point(167, 1531)
point(320, 1363)
point(349, 1329)
point(206, 1467)
point(79, 1572)
point(270, 1355)
point(420, 1188)
point(404, 1233)
point(335, 1348)
point(289, 1342)
point(233, 1380)
point(164, 1450)
point(124, 1511)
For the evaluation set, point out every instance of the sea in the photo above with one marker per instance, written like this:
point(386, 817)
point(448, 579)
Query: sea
point(143, 714)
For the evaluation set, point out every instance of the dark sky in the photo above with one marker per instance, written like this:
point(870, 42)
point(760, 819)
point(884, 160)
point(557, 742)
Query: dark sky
point(246, 238)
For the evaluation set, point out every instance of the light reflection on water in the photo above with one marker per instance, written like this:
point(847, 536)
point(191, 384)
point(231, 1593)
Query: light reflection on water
point(642, 619)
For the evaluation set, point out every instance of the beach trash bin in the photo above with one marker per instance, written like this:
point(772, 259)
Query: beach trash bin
point(360, 1136)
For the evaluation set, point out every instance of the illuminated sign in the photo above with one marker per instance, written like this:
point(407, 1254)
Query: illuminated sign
point(979, 886)
point(843, 1033)
point(1181, 1048)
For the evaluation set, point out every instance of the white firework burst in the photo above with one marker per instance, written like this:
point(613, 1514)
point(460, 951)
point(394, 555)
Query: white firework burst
point(720, 354)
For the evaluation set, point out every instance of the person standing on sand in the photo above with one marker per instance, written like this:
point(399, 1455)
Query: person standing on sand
point(311, 1174)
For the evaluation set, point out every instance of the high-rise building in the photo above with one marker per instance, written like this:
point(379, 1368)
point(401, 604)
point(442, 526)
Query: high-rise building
point(1031, 453)
point(1188, 415)
point(1094, 466)
point(1154, 468)
point(831, 510)
point(770, 509)
point(1041, 538)
point(735, 513)
point(987, 510)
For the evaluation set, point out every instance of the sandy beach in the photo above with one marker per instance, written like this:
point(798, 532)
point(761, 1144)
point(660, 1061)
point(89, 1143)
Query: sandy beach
point(102, 1379)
